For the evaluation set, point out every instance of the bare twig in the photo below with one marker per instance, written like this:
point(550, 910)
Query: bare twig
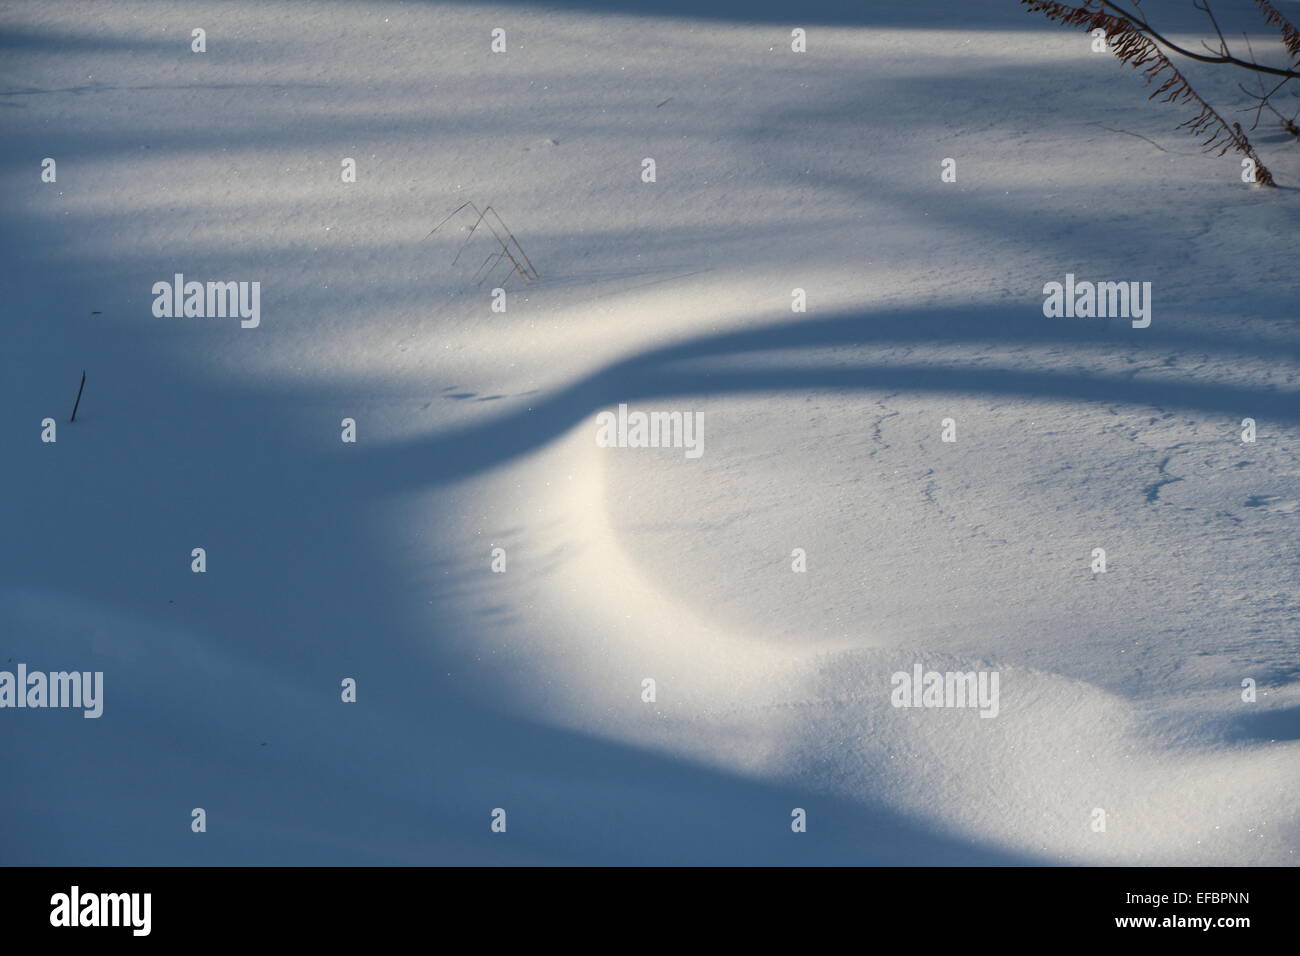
point(522, 264)
point(1223, 44)
point(1138, 135)
point(1262, 100)
point(1172, 152)
point(77, 405)
point(1129, 41)
point(1141, 24)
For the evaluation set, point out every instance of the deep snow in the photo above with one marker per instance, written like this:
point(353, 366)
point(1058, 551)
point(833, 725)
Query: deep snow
point(522, 690)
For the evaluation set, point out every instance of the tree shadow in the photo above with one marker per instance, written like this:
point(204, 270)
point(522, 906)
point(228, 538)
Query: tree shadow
point(679, 370)
point(222, 688)
point(1265, 726)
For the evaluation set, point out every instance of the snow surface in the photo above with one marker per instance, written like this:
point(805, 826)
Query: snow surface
point(522, 690)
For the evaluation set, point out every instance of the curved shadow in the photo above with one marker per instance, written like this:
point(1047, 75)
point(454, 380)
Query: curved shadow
point(655, 374)
point(1266, 726)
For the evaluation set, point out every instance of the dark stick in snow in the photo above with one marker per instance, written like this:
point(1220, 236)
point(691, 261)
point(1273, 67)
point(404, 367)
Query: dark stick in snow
point(78, 402)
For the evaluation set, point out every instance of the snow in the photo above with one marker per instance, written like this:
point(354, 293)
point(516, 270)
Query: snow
point(523, 690)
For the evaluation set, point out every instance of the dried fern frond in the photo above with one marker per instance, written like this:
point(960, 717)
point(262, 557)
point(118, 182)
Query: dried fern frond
point(1130, 45)
point(1290, 35)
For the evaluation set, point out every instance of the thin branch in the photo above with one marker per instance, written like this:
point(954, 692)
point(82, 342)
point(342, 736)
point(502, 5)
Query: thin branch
point(1131, 44)
point(525, 269)
point(77, 404)
point(471, 233)
point(1145, 27)
point(1223, 44)
point(1262, 99)
point(1171, 152)
point(448, 216)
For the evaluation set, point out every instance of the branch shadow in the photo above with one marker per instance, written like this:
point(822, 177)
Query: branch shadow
point(301, 591)
point(657, 374)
